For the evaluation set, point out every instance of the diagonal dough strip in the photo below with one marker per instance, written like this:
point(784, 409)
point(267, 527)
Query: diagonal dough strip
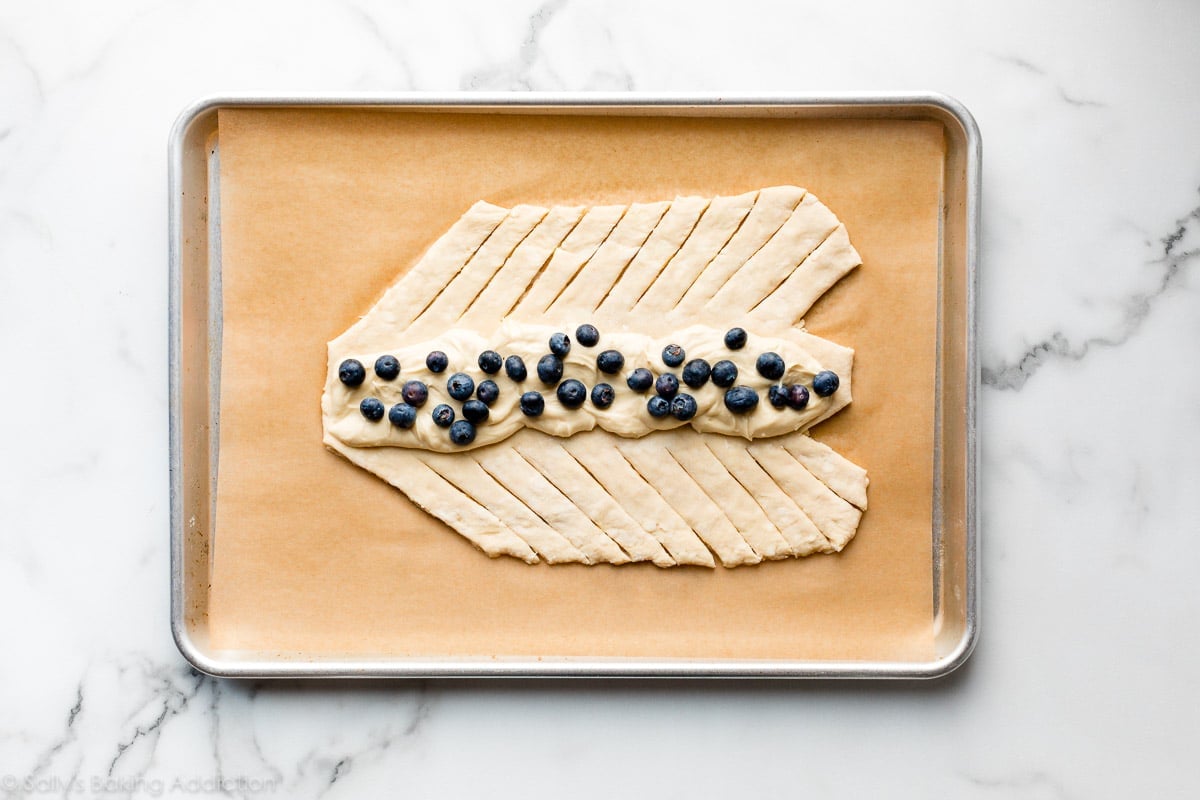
point(561, 469)
point(444, 500)
point(804, 231)
point(418, 287)
point(510, 281)
point(572, 254)
point(678, 489)
point(824, 267)
point(720, 222)
point(713, 477)
point(449, 305)
point(642, 500)
point(834, 470)
point(673, 230)
point(771, 210)
point(544, 499)
point(804, 537)
point(836, 519)
point(473, 480)
point(610, 258)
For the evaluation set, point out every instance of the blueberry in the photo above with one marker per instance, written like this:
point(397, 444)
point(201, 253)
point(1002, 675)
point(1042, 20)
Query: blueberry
point(673, 355)
point(514, 368)
point(560, 344)
point(683, 407)
point(462, 432)
point(443, 415)
point(487, 391)
point(770, 366)
point(825, 383)
point(402, 415)
point(603, 395)
point(797, 396)
point(371, 408)
point(415, 393)
point(532, 404)
point(549, 369)
point(587, 335)
point(460, 386)
point(658, 406)
point(437, 361)
point(724, 373)
point(735, 338)
point(696, 372)
point(610, 362)
point(489, 362)
point(778, 396)
point(387, 367)
point(572, 393)
point(640, 380)
point(667, 385)
point(351, 372)
point(741, 399)
point(475, 411)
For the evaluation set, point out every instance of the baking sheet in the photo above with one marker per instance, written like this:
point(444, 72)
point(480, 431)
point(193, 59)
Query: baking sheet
point(322, 209)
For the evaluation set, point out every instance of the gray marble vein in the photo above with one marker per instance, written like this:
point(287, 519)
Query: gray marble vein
point(1171, 265)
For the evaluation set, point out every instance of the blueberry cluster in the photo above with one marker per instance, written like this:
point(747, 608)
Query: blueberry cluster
point(414, 394)
point(667, 399)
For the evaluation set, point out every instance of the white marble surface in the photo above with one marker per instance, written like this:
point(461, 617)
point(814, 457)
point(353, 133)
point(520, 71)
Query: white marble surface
point(1085, 681)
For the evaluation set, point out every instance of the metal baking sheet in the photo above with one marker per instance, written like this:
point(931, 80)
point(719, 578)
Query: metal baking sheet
point(195, 326)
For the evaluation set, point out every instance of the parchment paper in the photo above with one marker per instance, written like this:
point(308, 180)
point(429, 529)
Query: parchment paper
point(323, 209)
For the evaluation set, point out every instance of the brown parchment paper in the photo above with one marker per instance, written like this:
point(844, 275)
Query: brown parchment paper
point(323, 209)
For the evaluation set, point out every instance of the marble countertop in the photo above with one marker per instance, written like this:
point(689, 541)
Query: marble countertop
point(1084, 683)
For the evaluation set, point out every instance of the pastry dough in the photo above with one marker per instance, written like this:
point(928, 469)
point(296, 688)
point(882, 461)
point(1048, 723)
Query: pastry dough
point(616, 485)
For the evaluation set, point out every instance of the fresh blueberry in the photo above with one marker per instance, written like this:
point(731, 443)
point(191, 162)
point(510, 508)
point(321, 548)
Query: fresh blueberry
point(549, 369)
point(572, 393)
point(825, 383)
point(489, 362)
point(673, 355)
point(443, 415)
point(475, 411)
point(724, 373)
point(658, 406)
point(402, 415)
point(462, 432)
point(770, 366)
point(667, 385)
point(415, 393)
point(797, 396)
point(351, 372)
point(533, 404)
point(371, 408)
point(735, 338)
point(560, 344)
point(610, 362)
point(437, 361)
point(387, 367)
point(514, 368)
point(487, 391)
point(460, 386)
point(683, 407)
point(603, 395)
point(778, 396)
point(640, 380)
point(741, 399)
point(696, 372)
point(587, 335)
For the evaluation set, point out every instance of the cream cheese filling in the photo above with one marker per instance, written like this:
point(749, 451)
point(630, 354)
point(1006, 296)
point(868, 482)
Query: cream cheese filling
point(626, 417)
